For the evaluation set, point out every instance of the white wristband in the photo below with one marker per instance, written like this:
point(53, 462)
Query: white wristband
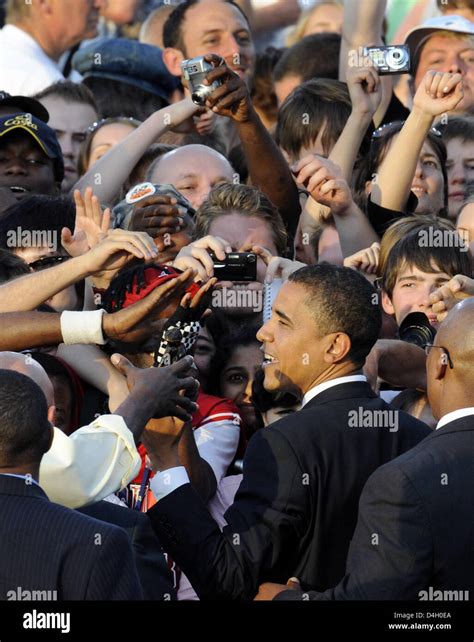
point(82, 327)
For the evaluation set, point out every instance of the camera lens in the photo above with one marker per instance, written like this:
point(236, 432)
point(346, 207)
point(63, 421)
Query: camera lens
point(397, 58)
point(416, 329)
point(198, 98)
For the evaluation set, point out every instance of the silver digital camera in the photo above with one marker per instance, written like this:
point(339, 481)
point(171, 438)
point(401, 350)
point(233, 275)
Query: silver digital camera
point(195, 71)
point(392, 59)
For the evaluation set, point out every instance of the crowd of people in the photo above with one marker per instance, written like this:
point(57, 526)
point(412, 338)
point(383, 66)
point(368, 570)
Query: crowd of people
point(236, 333)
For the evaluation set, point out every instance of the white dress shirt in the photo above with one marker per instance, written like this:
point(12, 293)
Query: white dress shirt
point(452, 416)
point(90, 464)
point(321, 387)
point(25, 69)
point(166, 482)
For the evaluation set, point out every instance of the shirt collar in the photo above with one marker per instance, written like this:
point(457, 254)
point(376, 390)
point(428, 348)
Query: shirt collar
point(321, 387)
point(452, 416)
point(28, 478)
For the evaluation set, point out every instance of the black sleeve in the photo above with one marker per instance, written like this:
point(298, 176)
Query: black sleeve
point(265, 524)
point(155, 576)
point(390, 557)
point(381, 217)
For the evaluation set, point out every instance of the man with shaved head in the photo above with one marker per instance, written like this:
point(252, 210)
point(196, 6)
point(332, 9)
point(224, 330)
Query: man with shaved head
point(414, 538)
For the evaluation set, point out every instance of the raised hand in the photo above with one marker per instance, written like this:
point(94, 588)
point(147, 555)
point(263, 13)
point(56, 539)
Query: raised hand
point(365, 261)
point(439, 92)
point(91, 224)
point(232, 98)
point(323, 180)
point(364, 88)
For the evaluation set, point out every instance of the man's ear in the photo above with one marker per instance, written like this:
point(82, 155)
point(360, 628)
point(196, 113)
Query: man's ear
point(387, 304)
point(440, 366)
point(52, 414)
point(173, 58)
point(337, 348)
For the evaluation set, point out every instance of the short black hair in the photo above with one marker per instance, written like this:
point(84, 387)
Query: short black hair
point(172, 29)
point(342, 300)
point(25, 431)
point(11, 266)
point(37, 212)
point(315, 56)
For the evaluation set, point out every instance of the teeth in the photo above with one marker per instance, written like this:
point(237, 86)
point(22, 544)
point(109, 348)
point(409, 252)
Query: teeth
point(268, 358)
point(16, 188)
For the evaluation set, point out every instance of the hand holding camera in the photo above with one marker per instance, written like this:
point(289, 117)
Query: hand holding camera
point(212, 256)
point(214, 85)
point(364, 88)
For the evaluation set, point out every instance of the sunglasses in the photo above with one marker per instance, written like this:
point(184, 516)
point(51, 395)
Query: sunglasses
point(46, 262)
point(384, 129)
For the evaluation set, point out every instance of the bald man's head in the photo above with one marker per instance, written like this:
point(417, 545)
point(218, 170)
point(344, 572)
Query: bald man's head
point(193, 169)
point(452, 388)
point(24, 364)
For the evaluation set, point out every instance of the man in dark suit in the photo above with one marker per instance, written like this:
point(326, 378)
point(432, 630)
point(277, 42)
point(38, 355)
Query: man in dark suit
point(420, 505)
point(296, 509)
point(155, 576)
point(46, 547)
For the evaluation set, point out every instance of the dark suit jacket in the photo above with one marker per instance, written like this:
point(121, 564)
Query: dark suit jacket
point(47, 547)
point(296, 509)
point(155, 576)
point(421, 507)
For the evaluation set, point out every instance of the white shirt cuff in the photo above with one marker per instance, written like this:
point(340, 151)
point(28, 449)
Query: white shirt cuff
point(167, 481)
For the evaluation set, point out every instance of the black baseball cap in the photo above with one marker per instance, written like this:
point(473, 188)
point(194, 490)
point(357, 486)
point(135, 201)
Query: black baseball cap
point(24, 104)
point(44, 136)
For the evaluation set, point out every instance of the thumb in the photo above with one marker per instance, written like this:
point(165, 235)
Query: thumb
point(122, 364)
point(66, 236)
point(294, 583)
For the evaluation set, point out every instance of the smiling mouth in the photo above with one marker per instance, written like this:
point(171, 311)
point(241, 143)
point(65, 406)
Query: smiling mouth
point(268, 359)
point(16, 189)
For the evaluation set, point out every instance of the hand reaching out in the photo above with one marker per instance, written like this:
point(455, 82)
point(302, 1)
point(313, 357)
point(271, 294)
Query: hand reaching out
point(91, 224)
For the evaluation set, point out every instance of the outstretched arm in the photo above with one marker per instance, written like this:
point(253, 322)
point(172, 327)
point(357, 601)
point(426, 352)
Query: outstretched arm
point(438, 93)
point(114, 168)
point(268, 168)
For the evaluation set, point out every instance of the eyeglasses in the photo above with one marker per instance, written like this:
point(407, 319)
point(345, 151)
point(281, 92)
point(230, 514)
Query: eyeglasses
point(386, 128)
point(128, 120)
point(46, 262)
point(428, 347)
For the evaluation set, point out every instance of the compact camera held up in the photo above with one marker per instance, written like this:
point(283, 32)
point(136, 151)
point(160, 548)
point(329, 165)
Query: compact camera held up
point(391, 59)
point(195, 71)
